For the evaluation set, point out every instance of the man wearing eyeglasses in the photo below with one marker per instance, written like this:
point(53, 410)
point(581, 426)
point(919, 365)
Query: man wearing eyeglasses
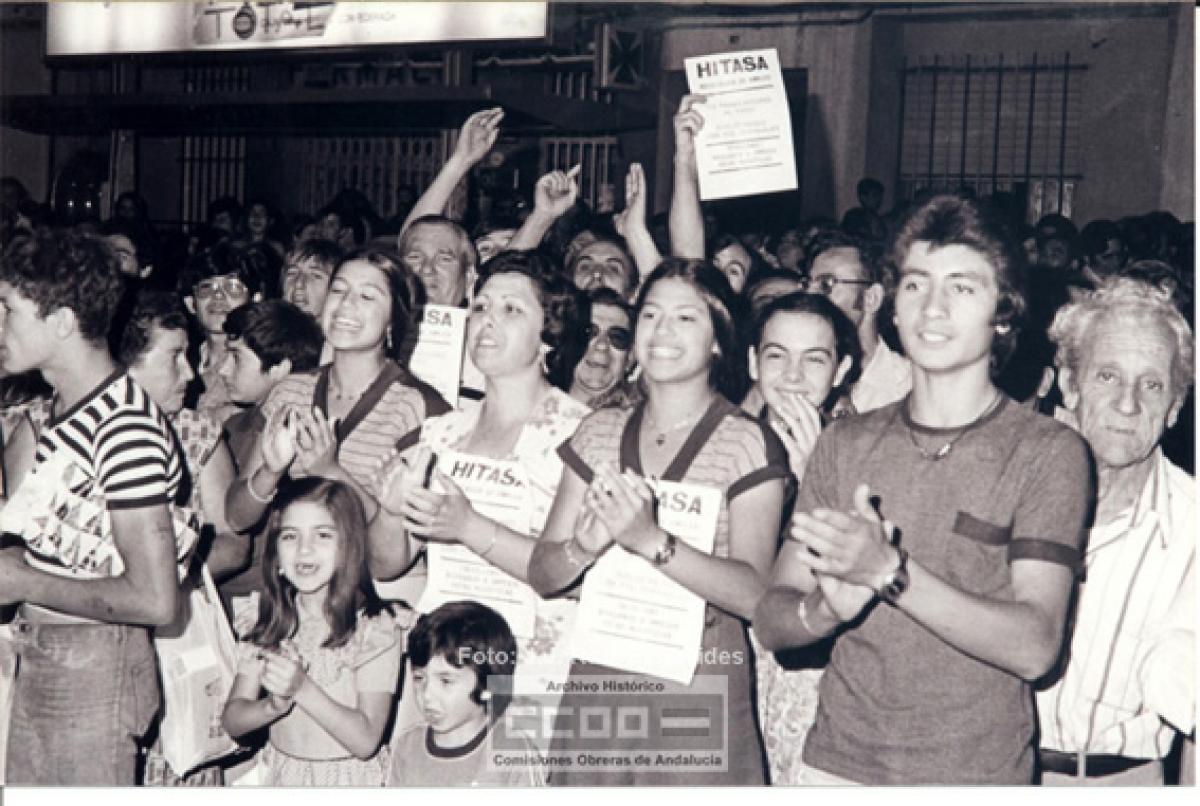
point(840, 268)
point(216, 281)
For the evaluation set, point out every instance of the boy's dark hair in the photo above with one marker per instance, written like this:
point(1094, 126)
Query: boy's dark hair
point(468, 634)
point(567, 312)
point(948, 220)
point(67, 269)
point(150, 308)
point(251, 265)
point(276, 330)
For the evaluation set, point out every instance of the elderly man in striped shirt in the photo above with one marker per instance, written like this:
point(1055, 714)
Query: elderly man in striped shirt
point(1125, 360)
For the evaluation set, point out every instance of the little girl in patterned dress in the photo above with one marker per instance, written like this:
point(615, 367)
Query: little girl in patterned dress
point(322, 664)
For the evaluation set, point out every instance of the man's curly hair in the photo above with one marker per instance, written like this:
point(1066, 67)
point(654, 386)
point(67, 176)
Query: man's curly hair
point(67, 269)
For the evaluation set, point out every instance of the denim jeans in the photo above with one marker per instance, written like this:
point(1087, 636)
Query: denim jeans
point(83, 696)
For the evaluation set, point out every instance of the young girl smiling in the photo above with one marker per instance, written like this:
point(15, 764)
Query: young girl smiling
point(324, 651)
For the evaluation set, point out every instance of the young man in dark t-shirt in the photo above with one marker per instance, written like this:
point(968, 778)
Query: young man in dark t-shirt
point(98, 565)
point(941, 631)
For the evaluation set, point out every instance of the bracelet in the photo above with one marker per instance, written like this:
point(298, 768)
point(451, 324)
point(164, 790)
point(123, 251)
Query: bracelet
point(802, 614)
point(253, 494)
point(571, 558)
point(666, 551)
point(483, 554)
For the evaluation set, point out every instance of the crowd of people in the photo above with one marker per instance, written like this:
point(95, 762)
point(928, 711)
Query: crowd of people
point(944, 527)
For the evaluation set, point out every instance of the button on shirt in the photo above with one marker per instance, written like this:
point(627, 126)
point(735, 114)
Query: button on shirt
point(1129, 679)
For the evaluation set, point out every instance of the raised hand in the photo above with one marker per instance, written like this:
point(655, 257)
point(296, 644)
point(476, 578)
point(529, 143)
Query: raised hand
point(798, 424)
point(444, 516)
point(590, 532)
point(853, 547)
point(688, 122)
point(402, 471)
point(277, 443)
point(624, 504)
point(478, 135)
point(316, 443)
point(634, 214)
point(555, 192)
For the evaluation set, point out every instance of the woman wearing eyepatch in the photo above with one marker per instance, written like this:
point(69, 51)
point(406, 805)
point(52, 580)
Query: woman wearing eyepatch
point(602, 377)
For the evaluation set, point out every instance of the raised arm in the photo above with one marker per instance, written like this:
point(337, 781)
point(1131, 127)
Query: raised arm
point(685, 220)
point(631, 223)
point(475, 140)
point(554, 195)
point(572, 541)
point(251, 493)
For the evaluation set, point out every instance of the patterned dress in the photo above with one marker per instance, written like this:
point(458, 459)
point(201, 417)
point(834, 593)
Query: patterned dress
point(368, 662)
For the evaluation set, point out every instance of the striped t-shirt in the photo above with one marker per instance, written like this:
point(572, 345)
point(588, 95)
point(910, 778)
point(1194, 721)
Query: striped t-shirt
point(387, 416)
point(113, 450)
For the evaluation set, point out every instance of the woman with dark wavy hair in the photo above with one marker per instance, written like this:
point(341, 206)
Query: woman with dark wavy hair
point(526, 332)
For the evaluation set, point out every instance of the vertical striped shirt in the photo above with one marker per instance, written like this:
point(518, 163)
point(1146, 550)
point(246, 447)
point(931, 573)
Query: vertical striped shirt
point(113, 450)
point(1129, 682)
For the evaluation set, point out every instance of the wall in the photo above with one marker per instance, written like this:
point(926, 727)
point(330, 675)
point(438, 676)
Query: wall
point(835, 48)
point(1128, 55)
point(23, 155)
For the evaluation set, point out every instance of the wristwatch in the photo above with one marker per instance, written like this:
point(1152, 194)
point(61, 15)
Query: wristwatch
point(892, 586)
point(666, 551)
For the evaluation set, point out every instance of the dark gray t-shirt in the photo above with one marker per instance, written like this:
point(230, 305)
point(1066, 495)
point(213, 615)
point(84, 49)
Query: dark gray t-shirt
point(897, 704)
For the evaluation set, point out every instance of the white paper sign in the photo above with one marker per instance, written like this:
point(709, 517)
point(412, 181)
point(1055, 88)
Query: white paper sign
point(745, 146)
point(631, 615)
point(438, 357)
point(500, 491)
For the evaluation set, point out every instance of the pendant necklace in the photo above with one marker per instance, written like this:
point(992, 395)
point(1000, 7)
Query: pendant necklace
point(660, 437)
point(944, 451)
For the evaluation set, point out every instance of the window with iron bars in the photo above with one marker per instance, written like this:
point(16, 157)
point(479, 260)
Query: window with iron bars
point(993, 124)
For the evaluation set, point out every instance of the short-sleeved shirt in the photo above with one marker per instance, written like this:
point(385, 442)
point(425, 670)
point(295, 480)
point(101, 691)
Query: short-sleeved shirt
point(113, 450)
point(418, 761)
point(388, 414)
point(897, 704)
point(727, 449)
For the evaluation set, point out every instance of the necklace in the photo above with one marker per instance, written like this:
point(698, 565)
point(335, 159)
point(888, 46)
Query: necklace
point(335, 388)
point(944, 451)
point(660, 438)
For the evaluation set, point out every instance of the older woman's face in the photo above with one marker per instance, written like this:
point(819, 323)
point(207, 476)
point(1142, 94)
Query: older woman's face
point(162, 369)
point(505, 325)
point(1122, 393)
point(607, 356)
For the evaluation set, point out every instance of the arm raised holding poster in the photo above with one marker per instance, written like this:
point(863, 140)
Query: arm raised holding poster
point(745, 147)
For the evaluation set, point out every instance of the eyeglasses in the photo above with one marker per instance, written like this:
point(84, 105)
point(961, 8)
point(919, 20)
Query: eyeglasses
point(620, 338)
point(826, 283)
point(229, 286)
